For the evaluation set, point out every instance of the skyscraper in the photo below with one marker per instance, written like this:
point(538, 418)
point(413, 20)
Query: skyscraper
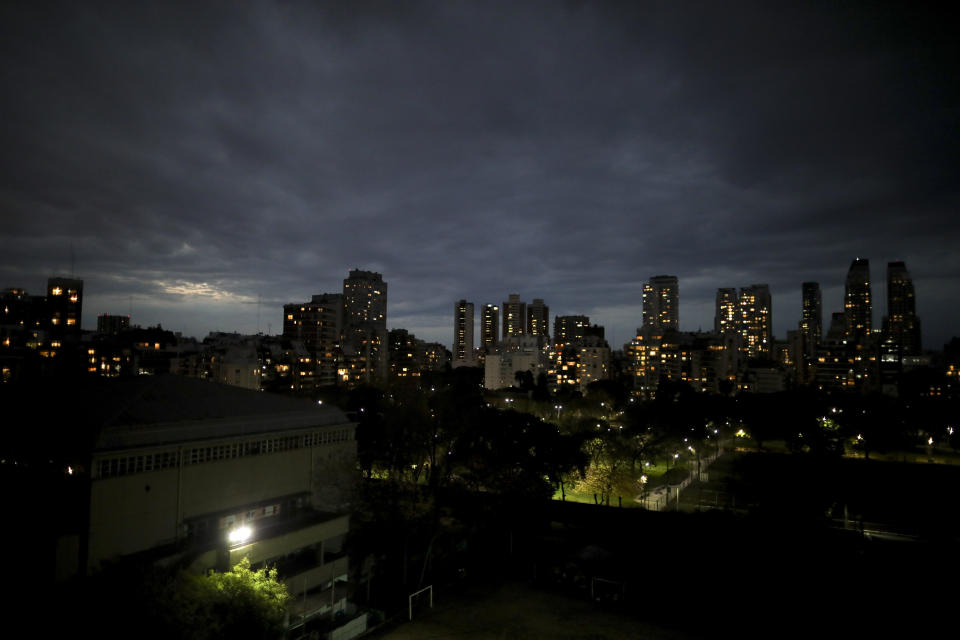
point(365, 299)
point(489, 327)
point(811, 317)
point(756, 321)
point(538, 318)
point(567, 329)
point(514, 316)
point(463, 333)
point(901, 327)
point(727, 317)
point(661, 306)
point(364, 341)
point(857, 301)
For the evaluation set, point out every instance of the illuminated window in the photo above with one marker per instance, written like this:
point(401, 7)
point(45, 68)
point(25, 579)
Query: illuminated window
point(57, 291)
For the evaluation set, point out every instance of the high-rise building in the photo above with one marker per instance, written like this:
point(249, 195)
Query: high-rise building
point(756, 321)
point(65, 305)
point(643, 357)
point(811, 318)
point(463, 333)
point(364, 344)
point(317, 326)
point(403, 354)
point(836, 364)
point(514, 316)
point(489, 327)
point(568, 329)
point(661, 306)
point(364, 299)
point(318, 323)
point(538, 318)
point(837, 332)
point(901, 327)
point(576, 363)
point(727, 317)
point(857, 301)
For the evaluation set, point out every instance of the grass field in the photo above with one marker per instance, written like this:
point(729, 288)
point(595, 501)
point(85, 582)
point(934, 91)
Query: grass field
point(627, 487)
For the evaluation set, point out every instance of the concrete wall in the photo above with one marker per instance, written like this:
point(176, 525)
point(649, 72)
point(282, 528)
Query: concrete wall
point(140, 511)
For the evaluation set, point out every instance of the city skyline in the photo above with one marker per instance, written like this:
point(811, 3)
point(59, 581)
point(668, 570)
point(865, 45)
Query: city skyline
point(200, 169)
point(877, 313)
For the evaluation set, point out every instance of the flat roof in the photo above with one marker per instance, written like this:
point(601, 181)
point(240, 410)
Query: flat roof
point(99, 414)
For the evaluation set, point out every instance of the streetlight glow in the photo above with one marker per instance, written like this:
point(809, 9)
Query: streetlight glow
point(240, 534)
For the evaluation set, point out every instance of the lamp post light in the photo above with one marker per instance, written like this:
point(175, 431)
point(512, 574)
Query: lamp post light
point(239, 535)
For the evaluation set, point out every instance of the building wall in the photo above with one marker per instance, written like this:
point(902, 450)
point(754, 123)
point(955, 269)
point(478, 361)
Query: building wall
point(131, 514)
point(141, 510)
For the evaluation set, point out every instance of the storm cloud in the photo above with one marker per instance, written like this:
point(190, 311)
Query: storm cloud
point(205, 163)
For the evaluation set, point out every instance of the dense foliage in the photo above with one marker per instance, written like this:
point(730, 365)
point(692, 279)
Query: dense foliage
point(159, 602)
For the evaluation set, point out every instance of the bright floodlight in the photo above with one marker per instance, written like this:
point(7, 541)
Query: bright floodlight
point(240, 535)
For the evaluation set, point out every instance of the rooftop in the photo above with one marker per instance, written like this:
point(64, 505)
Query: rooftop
point(148, 410)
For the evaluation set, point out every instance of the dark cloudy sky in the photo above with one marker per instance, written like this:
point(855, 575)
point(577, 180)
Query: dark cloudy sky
point(195, 158)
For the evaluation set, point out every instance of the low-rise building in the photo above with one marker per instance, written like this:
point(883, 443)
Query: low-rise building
point(182, 470)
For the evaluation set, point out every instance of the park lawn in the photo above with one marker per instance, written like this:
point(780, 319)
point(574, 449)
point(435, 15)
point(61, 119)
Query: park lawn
point(577, 492)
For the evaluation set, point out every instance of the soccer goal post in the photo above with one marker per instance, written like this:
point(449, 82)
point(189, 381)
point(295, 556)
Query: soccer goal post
point(414, 595)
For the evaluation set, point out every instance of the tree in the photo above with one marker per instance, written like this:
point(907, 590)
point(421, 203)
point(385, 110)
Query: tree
point(240, 603)
point(152, 601)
